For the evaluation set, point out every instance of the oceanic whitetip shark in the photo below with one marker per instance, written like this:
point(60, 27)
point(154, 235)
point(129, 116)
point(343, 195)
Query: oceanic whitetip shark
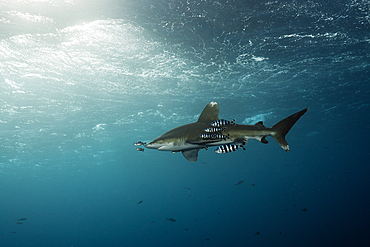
point(188, 140)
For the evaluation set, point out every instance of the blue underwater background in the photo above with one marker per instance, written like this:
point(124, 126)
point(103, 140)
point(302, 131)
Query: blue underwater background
point(82, 80)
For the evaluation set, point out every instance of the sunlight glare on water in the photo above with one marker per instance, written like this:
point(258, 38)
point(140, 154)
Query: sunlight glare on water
point(82, 80)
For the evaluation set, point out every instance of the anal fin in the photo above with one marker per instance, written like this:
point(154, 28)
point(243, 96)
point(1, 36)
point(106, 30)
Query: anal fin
point(263, 140)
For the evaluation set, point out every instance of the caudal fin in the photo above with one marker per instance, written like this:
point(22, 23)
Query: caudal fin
point(282, 128)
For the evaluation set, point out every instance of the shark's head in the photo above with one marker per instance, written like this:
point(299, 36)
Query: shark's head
point(156, 144)
point(167, 142)
point(184, 137)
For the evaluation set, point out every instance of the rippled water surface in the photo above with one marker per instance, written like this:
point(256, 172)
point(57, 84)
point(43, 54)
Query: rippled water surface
point(81, 81)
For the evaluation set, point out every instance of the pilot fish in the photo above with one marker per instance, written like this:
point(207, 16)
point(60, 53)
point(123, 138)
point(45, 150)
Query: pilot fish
point(214, 129)
point(139, 143)
point(208, 136)
point(228, 148)
point(222, 122)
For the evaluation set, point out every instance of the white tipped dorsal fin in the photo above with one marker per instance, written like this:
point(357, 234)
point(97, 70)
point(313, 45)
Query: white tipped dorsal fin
point(210, 113)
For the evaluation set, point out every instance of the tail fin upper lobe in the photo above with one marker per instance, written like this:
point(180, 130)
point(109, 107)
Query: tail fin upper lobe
point(282, 128)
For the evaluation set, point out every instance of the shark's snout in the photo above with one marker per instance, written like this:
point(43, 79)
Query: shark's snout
point(153, 145)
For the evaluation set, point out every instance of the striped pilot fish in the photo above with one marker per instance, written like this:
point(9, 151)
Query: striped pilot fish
point(228, 148)
point(208, 136)
point(139, 143)
point(214, 129)
point(222, 122)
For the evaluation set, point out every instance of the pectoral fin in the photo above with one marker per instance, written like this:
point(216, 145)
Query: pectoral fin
point(191, 155)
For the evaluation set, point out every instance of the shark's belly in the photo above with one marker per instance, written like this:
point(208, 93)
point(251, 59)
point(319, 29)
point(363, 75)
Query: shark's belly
point(180, 147)
point(188, 146)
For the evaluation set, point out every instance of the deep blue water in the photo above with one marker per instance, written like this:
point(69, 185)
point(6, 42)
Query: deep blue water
point(81, 81)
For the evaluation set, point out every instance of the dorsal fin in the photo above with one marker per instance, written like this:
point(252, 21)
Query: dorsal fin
point(260, 123)
point(210, 113)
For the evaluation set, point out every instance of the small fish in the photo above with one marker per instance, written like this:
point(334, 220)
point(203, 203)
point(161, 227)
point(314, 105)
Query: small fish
point(140, 149)
point(257, 233)
point(239, 183)
point(171, 219)
point(139, 143)
point(140, 202)
point(13, 232)
point(208, 136)
point(21, 219)
point(214, 129)
point(207, 239)
point(304, 210)
point(222, 122)
point(205, 136)
point(228, 148)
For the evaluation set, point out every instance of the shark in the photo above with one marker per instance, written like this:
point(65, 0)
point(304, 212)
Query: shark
point(187, 138)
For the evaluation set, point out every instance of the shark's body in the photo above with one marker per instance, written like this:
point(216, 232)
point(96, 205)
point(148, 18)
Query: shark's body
point(187, 138)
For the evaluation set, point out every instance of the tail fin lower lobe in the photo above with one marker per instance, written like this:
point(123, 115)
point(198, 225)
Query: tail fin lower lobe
point(282, 128)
